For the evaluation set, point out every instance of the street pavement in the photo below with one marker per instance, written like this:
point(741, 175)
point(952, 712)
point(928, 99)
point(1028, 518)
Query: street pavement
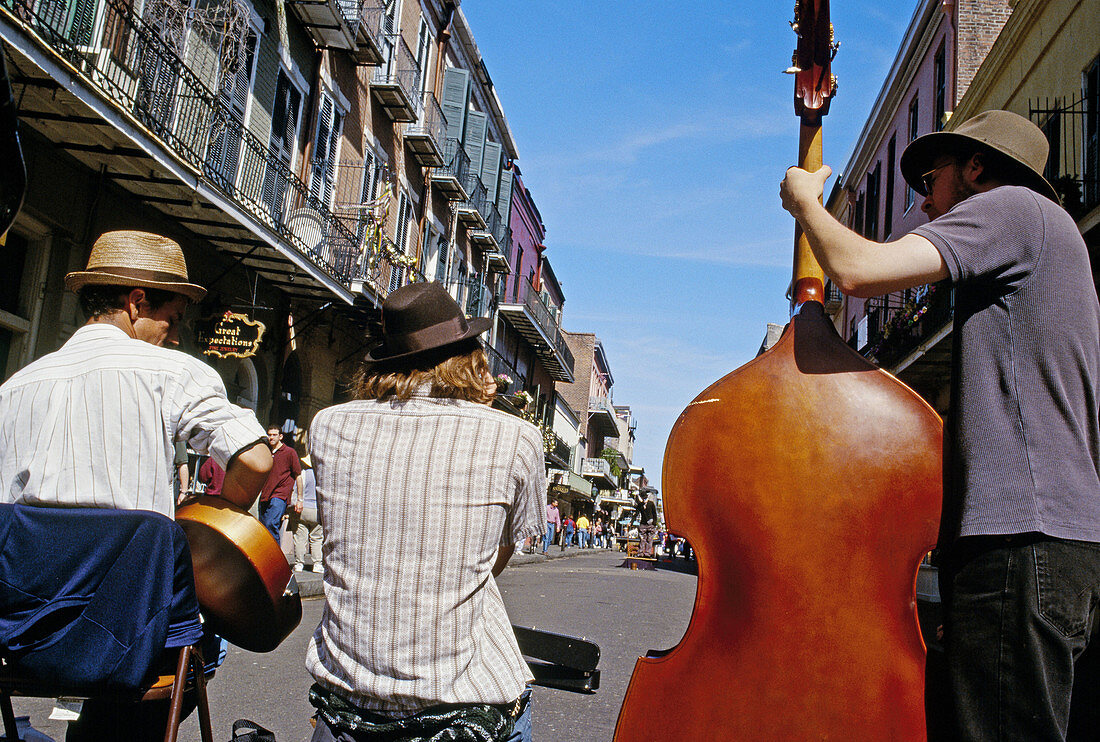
point(582, 593)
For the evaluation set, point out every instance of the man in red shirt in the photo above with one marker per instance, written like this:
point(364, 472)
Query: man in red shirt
point(286, 472)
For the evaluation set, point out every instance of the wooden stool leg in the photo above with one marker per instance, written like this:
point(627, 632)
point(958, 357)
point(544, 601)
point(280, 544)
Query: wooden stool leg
point(178, 687)
point(11, 729)
point(199, 670)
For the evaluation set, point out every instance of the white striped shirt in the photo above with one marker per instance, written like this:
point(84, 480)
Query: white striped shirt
point(93, 424)
point(414, 499)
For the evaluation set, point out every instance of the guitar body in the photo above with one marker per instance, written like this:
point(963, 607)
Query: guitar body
point(241, 575)
point(808, 537)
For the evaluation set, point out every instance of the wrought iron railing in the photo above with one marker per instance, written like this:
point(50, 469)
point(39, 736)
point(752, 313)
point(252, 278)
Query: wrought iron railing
point(399, 68)
point(432, 123)
point(476, 192)
point(134, 67)
point(912, 317)
point(456, 162)
point(560, 449)
point(498, 365)
point(546, 318)
point(491, 216)
point(1071, 126)
point(596, 467)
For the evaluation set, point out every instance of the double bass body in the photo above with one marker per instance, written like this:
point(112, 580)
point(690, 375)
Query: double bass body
point(809, 484)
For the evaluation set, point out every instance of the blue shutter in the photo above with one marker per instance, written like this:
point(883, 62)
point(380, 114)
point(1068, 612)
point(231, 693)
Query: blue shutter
point(490, 170)
point(475, 140)
point(456, 91)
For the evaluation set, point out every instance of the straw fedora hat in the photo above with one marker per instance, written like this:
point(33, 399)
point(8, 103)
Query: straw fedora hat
point(422, 317)
point(139, 260)
point(1005, 132)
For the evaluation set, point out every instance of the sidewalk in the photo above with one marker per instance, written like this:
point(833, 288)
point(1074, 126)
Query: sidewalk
point(310, 586)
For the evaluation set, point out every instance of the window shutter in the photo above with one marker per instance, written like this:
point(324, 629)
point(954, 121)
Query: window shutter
point(444, 261)
point(490, 169)
point(456, 91)
point(330, 165)
point(317, 185)
point(504, 198)
point(475, 139)
point(83, 22)
point(402, 232)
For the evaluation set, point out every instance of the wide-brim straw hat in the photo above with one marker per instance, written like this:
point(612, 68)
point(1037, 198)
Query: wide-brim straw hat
point(1002, 131)
point(134, 259)
point(422, 317)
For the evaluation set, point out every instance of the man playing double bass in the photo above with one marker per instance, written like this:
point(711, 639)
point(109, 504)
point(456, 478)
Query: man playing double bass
point(1020, 537)
point(94, 423)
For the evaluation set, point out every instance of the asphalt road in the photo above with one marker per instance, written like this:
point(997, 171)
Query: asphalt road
point(627, 612)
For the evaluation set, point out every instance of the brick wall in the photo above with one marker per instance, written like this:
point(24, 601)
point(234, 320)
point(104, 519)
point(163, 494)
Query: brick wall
point(581, 345)
point(978, 22)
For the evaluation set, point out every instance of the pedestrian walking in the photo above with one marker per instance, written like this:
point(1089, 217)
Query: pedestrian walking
point(304, 525)
point(553, 524)
point(582, 531)
point(567, 532)
point(285, 477)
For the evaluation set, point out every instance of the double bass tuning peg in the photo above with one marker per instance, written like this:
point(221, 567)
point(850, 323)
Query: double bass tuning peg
point(794, 69)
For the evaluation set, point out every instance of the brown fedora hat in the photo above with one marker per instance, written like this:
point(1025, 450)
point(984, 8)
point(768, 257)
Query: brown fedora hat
point(1002, 131)
point(139, 260)
point(422, 317)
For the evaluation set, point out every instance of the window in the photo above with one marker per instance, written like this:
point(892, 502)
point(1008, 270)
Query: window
point(326, 145)
point(400, 239)
point(888, 206)
point(1092, 134)
point(284, 133)
point(224, 154)
point(423, 54)
point(857, 220)
point(939, 73)
point(914, 107)
point(874, 179)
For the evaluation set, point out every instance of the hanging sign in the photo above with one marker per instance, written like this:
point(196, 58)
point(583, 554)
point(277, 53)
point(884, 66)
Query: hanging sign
point(229, 335)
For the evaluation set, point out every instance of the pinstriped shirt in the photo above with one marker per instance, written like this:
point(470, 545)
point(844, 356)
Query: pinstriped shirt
point(415, 498)
point(93, 424)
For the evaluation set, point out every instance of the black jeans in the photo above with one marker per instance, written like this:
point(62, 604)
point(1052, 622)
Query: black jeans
point(1018, 613)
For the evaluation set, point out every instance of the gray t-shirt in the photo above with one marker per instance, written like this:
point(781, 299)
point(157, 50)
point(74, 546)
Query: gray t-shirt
point(1025, 440)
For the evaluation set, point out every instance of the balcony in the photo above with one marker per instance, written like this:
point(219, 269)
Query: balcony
point(559, 453)
point(396, 84)
point(336, 24)
point(127, 105)
point(470, 210)
point(448, 178)
point(368, 36)
point(602, 415)
point(497, 261)
point(533, 319)
point(599, 473)
point(1073, 167)
point(424, 138)
point(485, 238)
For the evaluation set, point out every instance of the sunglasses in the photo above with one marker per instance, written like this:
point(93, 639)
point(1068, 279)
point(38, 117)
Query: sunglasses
point(928, 181)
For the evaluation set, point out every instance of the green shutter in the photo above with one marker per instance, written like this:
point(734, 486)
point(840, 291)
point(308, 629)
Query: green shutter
point(490, 170)
point(456, 91)
point(475, 140)
point(504, 198)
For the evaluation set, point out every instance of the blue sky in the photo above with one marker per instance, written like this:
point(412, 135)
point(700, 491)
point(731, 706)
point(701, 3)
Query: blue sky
point(653, 137)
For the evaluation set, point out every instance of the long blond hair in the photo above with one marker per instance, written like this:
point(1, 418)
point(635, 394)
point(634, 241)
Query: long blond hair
point(454, 372)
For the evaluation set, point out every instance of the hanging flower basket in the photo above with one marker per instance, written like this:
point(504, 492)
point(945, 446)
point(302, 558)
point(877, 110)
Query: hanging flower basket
point(522, 399)
point(504, 382)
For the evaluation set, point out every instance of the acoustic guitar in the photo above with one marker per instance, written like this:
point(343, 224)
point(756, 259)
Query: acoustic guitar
point(243, 582)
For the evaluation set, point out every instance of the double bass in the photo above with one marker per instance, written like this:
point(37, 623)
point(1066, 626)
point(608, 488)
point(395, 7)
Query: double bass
point(809, 483)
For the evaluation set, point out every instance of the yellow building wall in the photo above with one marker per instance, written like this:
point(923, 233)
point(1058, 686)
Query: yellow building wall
point(1041, 53)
